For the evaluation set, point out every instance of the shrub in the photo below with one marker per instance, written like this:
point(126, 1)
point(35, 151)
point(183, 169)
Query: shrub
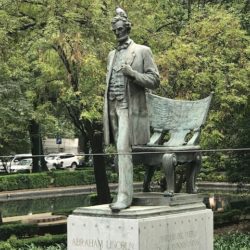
point(24, 181)
point(48, 241)
point(231, 216)
point(67, 178)
point(232, 241)
point(89, 176)
point(20, 230)
point(41, 180)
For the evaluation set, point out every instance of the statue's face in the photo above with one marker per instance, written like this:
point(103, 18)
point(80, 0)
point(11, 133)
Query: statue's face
point(120, 31)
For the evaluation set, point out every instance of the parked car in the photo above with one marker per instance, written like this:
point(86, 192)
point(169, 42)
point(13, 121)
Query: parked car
point(13, 165)
point(62, 160)
point(22, 165)
point(2, 168)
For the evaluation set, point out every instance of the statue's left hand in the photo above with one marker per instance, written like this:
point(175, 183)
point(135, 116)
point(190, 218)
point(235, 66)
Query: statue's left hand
point(127, 70)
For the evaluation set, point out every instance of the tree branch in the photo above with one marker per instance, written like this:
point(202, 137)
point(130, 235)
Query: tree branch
point(163, 26)
point(63, 57)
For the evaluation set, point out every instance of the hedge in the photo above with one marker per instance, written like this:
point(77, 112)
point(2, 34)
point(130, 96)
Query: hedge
point(61, 178)
point(41, 241)
point(24, 181)
point(17, 229)
point(231, 216)
point(68, 178)
point(46, 179)
point(232, 241)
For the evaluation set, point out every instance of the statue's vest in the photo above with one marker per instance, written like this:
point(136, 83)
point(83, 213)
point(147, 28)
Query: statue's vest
point(117, 84)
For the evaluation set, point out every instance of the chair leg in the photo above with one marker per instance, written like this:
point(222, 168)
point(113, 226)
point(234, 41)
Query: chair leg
point(192, 171)
point(169, 162)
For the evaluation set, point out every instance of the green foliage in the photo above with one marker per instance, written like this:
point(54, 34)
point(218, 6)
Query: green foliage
point(138, 173)
point(24, 181)
point(48, 242)
point(112, 177)
point(231, 216)
point(53, 62)
point(211, 54)
point(232, 241)
point(17, 229)
point(44, 180)
point(67, 178)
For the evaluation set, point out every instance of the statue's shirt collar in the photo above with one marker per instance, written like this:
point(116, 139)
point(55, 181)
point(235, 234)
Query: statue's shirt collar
point(124, 45)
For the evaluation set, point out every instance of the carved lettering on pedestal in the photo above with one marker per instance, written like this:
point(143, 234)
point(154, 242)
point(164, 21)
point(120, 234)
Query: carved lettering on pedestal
point(90, 243)
point(121, 245)
point(180, 240)
point(98, 244)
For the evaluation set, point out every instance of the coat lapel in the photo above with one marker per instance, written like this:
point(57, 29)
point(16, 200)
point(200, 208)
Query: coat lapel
point(130, 54)
point(110, 66)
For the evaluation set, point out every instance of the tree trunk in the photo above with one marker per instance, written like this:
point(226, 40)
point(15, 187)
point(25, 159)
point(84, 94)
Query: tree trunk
point(36, 147)
point(84, 146)
point(103, 192)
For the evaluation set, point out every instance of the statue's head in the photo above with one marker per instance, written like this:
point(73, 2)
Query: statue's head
point(121, 26)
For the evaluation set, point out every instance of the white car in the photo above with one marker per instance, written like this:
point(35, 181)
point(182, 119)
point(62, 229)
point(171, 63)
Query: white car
point(2, 168)
point(22, 165)
point(62, 160)
point(14, 165)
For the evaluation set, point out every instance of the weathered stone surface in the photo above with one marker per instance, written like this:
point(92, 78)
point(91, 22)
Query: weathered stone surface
point(96, 228)
point(158, 199)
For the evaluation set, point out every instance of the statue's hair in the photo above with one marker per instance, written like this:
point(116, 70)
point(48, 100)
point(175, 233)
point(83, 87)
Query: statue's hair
point(122, 18)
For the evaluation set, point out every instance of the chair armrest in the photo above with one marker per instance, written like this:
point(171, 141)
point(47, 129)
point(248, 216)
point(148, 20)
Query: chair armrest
point(156, 137)
point(195, 138)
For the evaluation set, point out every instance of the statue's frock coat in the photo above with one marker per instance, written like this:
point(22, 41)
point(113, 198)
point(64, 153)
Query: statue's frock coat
point(140, 58)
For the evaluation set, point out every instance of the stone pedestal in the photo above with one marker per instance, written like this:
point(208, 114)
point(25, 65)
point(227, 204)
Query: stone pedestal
point(165, 227)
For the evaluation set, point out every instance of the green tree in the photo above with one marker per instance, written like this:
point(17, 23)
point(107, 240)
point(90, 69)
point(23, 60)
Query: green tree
point(211, 54)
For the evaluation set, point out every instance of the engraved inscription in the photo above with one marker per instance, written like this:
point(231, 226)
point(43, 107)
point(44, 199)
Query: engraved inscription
point(98, 244)
point(90, 243)
point(180, 240)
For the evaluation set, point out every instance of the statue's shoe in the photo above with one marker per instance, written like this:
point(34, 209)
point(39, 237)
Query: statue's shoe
point(168, 194)
point(118, 206)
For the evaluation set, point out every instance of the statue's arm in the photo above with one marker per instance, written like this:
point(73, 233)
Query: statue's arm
point(150, 77)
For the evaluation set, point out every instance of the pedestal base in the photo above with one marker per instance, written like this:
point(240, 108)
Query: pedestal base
point(188, 227)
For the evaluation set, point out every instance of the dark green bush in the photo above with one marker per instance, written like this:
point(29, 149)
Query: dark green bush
point(60, 178)
point(89, 176)
point(17, 229)
point(113, 178)
point(24, 181)
point(41, 180)
point(240, 204)
point(138, 176)
point(232, 241)
point(68, 178)
point(231, 216)
point(41, 241)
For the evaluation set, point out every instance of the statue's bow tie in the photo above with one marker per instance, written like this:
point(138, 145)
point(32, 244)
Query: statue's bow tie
point(123, 46)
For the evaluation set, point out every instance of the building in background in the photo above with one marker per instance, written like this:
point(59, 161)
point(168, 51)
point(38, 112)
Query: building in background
point(58, 145)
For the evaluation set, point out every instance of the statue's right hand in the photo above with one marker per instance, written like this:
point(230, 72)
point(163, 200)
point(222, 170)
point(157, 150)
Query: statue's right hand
point(127, 70)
